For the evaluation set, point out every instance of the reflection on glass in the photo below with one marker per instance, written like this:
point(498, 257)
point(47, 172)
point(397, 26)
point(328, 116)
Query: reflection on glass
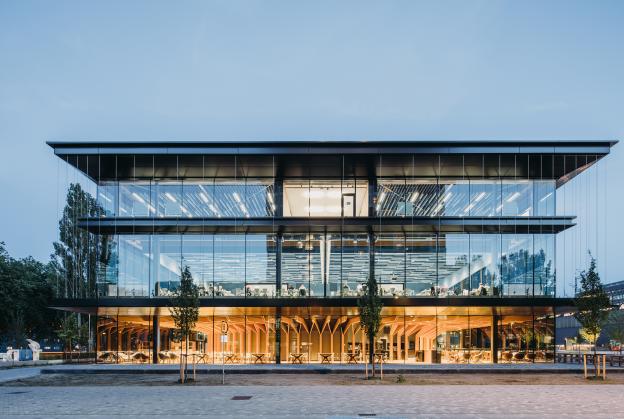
point(485, 198)
point(260, 265)
point(167, 252)
point(453, 265)
point(390, 263)
point(107, 266)
point(295, 265)
point(515, 264)
point(545, 194)
point(355, 263)
point(421, 265)
point(134, 265)
point(517, 198)
point(484, 263)
point(107, 198)
point(197, 255)
point(135, 200)
point(229, 265)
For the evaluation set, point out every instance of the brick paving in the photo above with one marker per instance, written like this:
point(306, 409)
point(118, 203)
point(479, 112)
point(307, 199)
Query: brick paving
point(395, 401)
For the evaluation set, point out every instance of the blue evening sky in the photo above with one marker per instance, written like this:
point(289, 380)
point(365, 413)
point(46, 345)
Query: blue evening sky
point(229, 70)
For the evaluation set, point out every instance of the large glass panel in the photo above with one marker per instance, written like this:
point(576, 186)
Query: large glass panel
point(169, 198)
point(134, 265)
point(325, 198)
point(544, 264)
point(134, 200)
point(317, 254)
point(108, 193)
point(515, 262)
point(420, 253)
point(484, 264)
point(453, 272)
point(517, 198)
point(197, 255)
point(544, 344)
point(390, 263)
point(334, 265)
point(198, 198)
point(107, 267)
point(295, 265)
point(260, 265)
point(229, 198)
point(355, 263)
point(166, 250)
point(392, 200)
point(422, 197)
point(453, 199)
point(516, 339)
point(229, 265)
point(259, 197)
point(485, 198)
point(545, 193)
point(453, 339)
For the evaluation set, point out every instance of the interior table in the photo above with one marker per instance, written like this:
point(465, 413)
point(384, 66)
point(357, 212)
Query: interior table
point(326, 358)
point(258, 358)
point(297, 358)
point(352, 358)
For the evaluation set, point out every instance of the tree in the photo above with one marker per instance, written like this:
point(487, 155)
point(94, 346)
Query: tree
point(69, 333)
point(26, 289)
point(592, 305)
point(185, 311)
point(370, 306)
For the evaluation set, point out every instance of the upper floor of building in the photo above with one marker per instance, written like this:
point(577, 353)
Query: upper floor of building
point(331, 180)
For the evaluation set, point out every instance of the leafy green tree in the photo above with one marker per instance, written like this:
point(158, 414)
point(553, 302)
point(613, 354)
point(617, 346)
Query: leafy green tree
point(370, 306)
point(26, 290)
point(69, 333)
point(592, 305)
point(185, 312)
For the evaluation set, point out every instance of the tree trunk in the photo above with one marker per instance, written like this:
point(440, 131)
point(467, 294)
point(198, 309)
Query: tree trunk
point(595, 356)
point(371, 352)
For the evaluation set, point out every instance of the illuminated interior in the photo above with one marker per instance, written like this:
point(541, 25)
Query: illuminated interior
point(318, 198)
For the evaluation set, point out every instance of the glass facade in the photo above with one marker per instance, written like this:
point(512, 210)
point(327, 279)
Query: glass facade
point(331, 264)
point(450, 335)
point(462, 233)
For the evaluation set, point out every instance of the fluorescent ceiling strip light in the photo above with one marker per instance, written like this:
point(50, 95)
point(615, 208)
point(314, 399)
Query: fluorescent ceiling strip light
point(447, 197)
point(479, 197)
point(138, 197)
point(105, 197)
point(170, 197)
point(513, 197)
point(414, 197)
point(236, 197)
point(546, 197)
point(203, 197)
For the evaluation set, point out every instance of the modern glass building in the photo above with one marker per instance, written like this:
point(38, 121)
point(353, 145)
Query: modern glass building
point(281, 238)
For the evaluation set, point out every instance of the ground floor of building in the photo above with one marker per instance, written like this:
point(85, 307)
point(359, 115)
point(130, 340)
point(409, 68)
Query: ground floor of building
point(455, 335)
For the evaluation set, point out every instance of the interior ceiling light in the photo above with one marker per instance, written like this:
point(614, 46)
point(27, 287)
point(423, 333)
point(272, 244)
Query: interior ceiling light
point(479, 197)
point(414, 197)
point(170, 197)
point(236, 197)
point(513, 196)
point(203, 197)
point(138, 197)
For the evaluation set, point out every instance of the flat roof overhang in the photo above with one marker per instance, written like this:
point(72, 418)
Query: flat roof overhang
point(139, 305)
point(333, 147)
point(111, 161)
point(305, 224)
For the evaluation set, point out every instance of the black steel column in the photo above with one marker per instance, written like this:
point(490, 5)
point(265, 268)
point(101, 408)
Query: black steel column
point(278, 265)
point(278, 334)
point(155, 339)
point(279, 198)
point(371, 253)
point(494, 340)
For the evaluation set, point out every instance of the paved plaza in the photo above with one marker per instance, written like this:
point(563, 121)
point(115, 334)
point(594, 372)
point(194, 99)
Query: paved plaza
point(396, 401)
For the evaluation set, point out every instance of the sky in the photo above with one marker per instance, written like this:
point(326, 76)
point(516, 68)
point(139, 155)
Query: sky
point(284, 70)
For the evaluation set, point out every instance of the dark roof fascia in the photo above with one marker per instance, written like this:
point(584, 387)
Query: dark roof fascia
point(331, 147)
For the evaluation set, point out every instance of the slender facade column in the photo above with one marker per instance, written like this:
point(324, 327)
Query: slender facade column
point(494, 340)
point(155, 338)
point(278, 264)
point(278, 334)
